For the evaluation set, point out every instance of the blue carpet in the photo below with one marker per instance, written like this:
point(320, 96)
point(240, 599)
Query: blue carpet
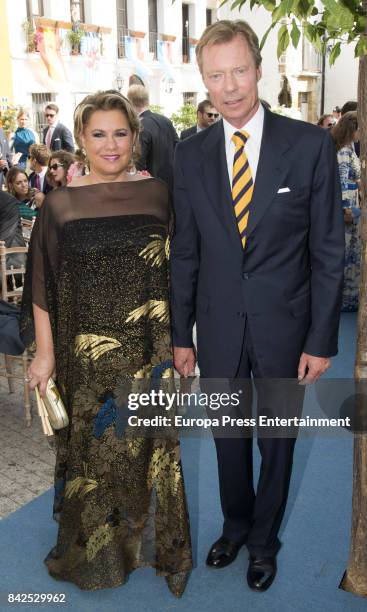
point(315, 535)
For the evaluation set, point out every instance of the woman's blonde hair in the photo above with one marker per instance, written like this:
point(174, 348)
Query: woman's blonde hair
point(23, 111)
point(224, 31)
point(105, 101)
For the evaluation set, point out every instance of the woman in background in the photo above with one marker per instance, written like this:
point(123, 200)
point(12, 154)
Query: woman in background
point(22, 139)
point(58, 168)
point(345, 133)
point(18, 186)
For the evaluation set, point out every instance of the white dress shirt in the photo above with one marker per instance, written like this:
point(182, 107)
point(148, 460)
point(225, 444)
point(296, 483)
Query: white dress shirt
point(254, 128)
point(42, 176)
point(50, 133)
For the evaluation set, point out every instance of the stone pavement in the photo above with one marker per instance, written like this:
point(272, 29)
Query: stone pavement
point(26, 459)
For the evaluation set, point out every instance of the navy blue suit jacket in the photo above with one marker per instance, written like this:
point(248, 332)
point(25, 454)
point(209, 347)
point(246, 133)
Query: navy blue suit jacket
point(287, 283)
point(61, 138)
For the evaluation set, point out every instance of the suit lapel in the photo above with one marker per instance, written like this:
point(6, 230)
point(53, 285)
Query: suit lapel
point(216, 181)
point(271, 169)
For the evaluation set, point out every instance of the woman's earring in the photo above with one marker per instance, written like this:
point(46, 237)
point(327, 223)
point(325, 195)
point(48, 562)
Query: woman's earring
point(131, 167)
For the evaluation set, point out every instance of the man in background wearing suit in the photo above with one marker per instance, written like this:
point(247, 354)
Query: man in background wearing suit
point(38, 161)
point(5, 157)
point(56, 136)
point(206, 116)
point(158, 137)
point(257, 261)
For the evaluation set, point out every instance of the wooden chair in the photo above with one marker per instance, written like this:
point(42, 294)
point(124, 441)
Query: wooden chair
point(12, 280)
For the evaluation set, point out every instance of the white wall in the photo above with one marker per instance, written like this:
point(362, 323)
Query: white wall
point(341, 80)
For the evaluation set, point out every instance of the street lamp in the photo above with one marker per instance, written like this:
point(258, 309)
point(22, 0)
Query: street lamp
point(119, 81)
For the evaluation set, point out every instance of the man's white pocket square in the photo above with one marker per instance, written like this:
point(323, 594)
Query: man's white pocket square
point(283, 190)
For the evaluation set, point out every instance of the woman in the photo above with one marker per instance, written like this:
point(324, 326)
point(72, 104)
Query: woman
point(22, 139)
point(345, 134)
point(100, 305)
point(18, 186)
point(58, 168)
point(11, 228)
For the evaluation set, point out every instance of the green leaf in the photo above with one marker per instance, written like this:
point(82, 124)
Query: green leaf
point(295, 34)
point(283, 40)
point(335, 52)
point(361, 47)
point(309, 31)
point(269, 5)
point(303, 8)
point(339, 16)
point(264, 38)
point(238, 3)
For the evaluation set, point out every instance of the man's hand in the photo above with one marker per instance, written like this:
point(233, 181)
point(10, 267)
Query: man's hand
point(3, 163)
point(184, 361)
point(311, 368)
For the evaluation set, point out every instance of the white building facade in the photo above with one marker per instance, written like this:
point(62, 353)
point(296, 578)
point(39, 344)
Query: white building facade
point(148, 41)
point(125, 41)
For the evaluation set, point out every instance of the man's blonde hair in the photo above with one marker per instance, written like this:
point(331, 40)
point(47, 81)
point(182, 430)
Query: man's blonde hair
point(224, 31)
point(138, 96)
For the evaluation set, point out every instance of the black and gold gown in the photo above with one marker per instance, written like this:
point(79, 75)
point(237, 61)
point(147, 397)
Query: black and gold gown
point(98, 266)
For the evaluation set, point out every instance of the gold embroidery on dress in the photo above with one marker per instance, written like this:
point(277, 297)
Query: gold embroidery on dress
point(80, 486)
point(164, 473)
point(153, 309)
point(155, 252)
point(102, 536)
point(94, 346)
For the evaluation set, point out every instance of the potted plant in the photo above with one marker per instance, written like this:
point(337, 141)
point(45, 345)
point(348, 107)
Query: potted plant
point(75, 37)
point(185, 117)
point(30, 34)
point(8, 120)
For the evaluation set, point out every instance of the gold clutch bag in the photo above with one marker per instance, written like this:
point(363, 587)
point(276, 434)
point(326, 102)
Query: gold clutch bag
point(51, 408)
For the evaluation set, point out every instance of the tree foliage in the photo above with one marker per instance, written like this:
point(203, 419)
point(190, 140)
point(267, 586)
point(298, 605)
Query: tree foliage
point(326, 24)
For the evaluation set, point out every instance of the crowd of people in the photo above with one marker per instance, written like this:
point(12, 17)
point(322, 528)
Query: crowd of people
point(105, 313)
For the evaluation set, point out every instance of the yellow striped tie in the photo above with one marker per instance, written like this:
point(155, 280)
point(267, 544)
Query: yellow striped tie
point(242, 184)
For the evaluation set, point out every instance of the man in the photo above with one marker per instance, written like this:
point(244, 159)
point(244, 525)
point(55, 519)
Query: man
point(326, 121)
point(158, 137)
point(206, 116)
point(5, 157)
point(56, 136)
point(336, 113)
point(257, 261)
point(38, 161)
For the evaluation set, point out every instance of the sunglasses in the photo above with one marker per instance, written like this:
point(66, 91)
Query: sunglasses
point(49, 115)
point(55, 166)
point(210, 115)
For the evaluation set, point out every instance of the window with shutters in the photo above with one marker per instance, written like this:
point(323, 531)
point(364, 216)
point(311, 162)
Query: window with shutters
point(77, 11)
point(122, 29)
point(153, 27)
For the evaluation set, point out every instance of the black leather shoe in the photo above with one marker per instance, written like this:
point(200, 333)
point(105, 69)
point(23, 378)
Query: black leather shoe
point(223, 552)
point(261, 572)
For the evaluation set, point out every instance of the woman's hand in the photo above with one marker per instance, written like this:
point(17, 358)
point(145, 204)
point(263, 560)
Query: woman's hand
point(348, 216)
point(40, 370)
point(38, 199)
